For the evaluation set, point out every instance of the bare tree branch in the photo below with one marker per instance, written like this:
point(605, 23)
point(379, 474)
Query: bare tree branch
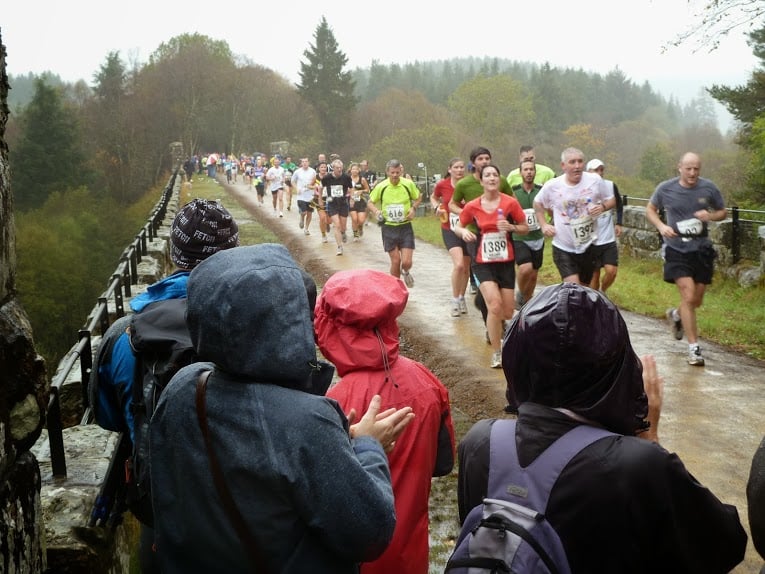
point(713, 20)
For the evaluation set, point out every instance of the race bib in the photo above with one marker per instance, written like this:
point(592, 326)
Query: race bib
point(454, 219)
point(394, 212)
point(356, 197)
point(336, 191)
point(494, 247)
point(690, 228)
point(582, 229)
point(531, 219)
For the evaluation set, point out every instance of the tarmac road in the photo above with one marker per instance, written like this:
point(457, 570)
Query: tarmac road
point(712, 416)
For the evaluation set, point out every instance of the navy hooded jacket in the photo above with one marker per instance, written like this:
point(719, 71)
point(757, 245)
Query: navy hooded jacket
point(315, 500)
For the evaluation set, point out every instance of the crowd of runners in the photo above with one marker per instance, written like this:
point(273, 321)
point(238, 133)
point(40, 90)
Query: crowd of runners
point(494, 225)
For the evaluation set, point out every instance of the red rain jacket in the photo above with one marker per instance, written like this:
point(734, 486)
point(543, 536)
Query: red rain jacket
point(355, 321)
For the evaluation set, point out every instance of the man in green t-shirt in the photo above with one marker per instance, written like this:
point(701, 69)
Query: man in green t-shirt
point(394, 202)
point(527, 153)
point(529, 248)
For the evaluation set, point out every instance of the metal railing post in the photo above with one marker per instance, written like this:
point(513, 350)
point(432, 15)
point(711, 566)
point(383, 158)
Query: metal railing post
point(735, 235)
point(56, 435)
point(86, 362)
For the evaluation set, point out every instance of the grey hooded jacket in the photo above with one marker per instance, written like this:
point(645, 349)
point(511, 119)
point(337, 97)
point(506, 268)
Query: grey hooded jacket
point(315, 500)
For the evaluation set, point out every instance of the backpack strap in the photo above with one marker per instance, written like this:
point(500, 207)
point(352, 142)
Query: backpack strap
point(531, 486)
point(248, 541)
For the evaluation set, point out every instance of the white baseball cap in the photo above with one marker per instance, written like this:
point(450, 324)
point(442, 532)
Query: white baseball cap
point(594, 164)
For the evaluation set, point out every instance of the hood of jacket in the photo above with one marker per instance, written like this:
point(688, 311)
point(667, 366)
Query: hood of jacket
point(355, 319)
point(249, 312)
point(569, 348)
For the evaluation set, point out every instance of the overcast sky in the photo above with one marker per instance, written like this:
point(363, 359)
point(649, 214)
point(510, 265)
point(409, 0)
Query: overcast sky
point(73, 38)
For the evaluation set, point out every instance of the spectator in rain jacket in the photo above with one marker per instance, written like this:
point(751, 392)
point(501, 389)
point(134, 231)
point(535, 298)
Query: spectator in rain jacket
point(356, 328)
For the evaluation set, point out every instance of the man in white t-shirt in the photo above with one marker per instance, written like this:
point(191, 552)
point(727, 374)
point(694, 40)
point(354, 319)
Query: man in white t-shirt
point(303, 180)
point(574, 199)
point(606, 249)
point(275, 182)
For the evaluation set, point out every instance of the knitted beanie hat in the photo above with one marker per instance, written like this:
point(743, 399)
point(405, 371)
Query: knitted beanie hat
point(201, 228)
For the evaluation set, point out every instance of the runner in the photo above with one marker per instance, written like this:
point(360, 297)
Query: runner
point(529, 249)
point(394, 202)
point(320, 200)
point(259, 179)
point(337, 185)
point(358, 201)
point(495, 215)
point(304, 179)
point(575, 199)
point(439, 200)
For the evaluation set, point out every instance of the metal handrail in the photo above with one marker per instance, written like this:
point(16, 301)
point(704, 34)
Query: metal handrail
point(117, 290)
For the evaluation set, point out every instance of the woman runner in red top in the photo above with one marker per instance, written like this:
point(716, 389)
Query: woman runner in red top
point(496, 215)
point(442, 195)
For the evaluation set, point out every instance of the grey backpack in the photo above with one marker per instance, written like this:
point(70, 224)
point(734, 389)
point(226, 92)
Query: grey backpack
point(508, 532)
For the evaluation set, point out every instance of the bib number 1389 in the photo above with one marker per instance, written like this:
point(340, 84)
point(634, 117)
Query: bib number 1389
point(494, 247)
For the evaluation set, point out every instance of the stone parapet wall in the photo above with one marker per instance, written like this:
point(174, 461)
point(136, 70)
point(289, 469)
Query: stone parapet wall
point(23, 393)
point(73, 544)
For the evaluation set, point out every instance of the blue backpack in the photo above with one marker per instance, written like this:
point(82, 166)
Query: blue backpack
point(508, 532)
point(161, 345)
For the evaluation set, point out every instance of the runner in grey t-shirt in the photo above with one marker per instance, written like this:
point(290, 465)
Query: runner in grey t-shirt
point(690, 203)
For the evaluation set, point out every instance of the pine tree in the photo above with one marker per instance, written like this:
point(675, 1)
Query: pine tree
point(325, 85)
point(49, 156)
point(746, 103)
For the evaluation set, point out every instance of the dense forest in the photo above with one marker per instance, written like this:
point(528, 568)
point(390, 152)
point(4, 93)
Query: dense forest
point(86, 158)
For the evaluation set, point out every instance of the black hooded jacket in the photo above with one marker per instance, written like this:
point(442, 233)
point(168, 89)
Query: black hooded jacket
point(623, 504)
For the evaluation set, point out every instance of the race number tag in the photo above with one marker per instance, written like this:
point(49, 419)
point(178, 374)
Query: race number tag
point(336, 191)
point(394, 212)
point(454, 219)
point(356, 197)
point(581, 230)
point(494, 247)
point(690, 228)
point(531, 219)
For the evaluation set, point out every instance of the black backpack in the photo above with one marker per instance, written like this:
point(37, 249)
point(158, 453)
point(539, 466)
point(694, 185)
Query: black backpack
point(508, 532)
point(161, 344)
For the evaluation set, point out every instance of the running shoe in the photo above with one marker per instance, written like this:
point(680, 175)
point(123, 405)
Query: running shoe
point(473, 289)
point(694, 356)
point(306, 231)
point(677, 325)
point(339, 250)
point(496, 359)
point(281, 214)
point(455, 309)
point(462, 305)
point(302, 218)
point(345, 237)
point(324, 238)
point(408, 279)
